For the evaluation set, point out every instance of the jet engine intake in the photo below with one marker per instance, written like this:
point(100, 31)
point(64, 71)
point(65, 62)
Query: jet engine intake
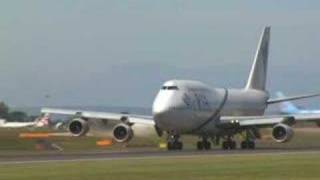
point(78, 127)
point(122, 133)
point(282, 133)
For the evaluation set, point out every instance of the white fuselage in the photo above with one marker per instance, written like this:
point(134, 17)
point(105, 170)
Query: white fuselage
point(185, 106)
point(4, 124)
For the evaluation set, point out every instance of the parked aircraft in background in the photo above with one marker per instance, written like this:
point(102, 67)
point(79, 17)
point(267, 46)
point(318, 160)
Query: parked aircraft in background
point(192, 107)
point(39, 122)
point(290, 108)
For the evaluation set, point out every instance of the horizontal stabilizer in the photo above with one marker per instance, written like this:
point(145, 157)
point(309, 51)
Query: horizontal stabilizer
point(278, 100)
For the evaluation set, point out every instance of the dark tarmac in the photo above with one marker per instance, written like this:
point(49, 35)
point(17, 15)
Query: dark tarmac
point(140, 154)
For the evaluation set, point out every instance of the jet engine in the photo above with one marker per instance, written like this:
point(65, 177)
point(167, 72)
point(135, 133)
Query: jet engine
point(282, 133)
point(122, 133)
point(78, 127)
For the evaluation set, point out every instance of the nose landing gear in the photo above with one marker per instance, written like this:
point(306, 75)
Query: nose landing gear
point(174, 143)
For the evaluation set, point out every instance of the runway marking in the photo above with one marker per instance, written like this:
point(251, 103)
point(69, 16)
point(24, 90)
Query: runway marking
point(177, 156)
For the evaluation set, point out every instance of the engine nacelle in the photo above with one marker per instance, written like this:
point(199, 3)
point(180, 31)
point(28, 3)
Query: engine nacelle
point(282, 133)
point(78, 127)
point(122, 133)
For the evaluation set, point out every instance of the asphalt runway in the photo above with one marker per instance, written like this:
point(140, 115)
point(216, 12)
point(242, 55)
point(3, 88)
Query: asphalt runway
point(141, 154)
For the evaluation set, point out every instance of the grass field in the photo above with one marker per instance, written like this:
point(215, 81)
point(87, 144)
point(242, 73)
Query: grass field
point(11, 143)
point(293, 166)
point(290, 166)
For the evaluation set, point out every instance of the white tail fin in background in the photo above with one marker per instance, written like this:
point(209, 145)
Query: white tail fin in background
point(286, 107)
point(258, 74)
point(43, 121)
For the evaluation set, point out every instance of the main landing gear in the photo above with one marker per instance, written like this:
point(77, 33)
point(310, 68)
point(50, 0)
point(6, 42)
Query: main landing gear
point(174, 143)
point(204, 144)
point(248, 143)
point(229, 144)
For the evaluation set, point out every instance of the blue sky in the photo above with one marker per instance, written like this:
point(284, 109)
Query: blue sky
point(120, 52)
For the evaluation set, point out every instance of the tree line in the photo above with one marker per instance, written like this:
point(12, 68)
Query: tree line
point(7, 114)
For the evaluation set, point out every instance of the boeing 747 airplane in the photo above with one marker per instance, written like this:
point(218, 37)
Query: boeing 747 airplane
point(192, 107)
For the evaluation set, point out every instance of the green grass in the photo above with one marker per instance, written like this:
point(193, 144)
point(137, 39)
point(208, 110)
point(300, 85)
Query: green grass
point(293, 166)
point(10, 141)
point(12, 144)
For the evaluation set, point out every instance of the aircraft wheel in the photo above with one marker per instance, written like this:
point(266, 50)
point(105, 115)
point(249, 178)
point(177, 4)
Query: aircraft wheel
point(225, 145)
point(203, 145)
point(178, 145)
point(233, 145)
point(229, 145)
point(251, 145)
point(199, 145)
point(207, 145)
point(248, 145)
point(244, 145)
point(170, 146)
point(174, 145)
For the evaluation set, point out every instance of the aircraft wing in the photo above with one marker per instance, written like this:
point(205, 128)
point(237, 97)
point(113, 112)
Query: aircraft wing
point(101, 115)
point(247, 121)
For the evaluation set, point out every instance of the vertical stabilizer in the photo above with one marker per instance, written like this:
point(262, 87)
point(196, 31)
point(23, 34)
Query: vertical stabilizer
point(258, 74)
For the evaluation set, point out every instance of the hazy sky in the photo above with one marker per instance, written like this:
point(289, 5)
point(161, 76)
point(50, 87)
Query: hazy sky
point(117, 52)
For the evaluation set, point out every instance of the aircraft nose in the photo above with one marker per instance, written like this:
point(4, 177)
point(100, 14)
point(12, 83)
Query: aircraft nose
point(162, 116)
point(163, 109)
point(160, 110)
point(161, 104)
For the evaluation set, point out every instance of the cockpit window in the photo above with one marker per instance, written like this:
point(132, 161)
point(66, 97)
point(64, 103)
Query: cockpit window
point(172, 88)
point(169, 88)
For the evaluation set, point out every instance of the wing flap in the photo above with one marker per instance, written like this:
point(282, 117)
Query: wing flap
point(245, 121)
point(254, 120)
point(261, 122)
point(307, 117)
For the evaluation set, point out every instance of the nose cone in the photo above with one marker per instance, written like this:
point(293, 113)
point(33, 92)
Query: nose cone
point(162, 108)
point(162, 115)
point(160, 111)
